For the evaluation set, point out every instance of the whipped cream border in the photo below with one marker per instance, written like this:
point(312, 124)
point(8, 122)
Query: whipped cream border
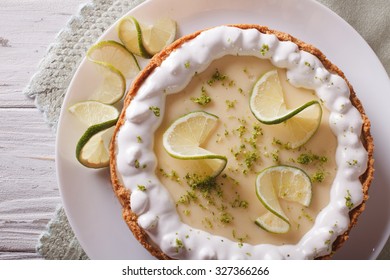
point(154, 207)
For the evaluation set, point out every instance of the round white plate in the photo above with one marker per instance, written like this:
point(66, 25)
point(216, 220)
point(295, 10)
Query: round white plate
point(93, 210)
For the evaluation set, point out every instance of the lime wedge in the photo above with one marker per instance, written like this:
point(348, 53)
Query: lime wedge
point(159, 35)
point(272, 223)
point(115, 54)
point(285, 182)
point(92, 148)
point(184, 137)
point(93, 112)
point(130, 33)
point(268, 106)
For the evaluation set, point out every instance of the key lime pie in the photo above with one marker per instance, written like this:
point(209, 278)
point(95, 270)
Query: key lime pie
point(241, 142)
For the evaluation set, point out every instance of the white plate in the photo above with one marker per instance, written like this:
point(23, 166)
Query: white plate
point(93, 210)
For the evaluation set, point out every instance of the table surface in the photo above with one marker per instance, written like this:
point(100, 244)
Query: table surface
point(29, 191)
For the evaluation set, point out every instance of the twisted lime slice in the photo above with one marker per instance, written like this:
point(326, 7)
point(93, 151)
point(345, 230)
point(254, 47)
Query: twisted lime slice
point(159, 35)
point(183, 140)
point(285, 182)
point(116, 55)
point(111, 84)
point(130, 33)
point(92, 147)
point(268, 106)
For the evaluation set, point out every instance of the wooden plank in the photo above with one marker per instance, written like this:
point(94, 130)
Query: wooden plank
point(28, 27)
point(29, 193)
point(27, 147)
point(28, 186)
point(18, 256)
point(23, 221)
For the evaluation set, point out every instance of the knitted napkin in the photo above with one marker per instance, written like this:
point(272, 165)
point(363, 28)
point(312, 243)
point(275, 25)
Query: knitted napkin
point(48, 86)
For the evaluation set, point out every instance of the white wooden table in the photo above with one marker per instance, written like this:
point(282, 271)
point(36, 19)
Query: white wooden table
point(28, 186)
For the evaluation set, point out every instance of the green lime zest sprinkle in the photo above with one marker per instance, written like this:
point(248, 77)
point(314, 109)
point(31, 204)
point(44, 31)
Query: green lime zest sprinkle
point(251, 158)
point(217, 76)
point(352, 162)
point(137, 164)
point(155, 110)
point(179, 244)
point(226, 218)
point(348, 200)
point(307, 158)
point(230, 104)
point(188, 197)
point(264, 49)
point(238, 203)
point(204, 99)
point(241, 130)
point(207, 223)
point(173, 175)
point(319, 176)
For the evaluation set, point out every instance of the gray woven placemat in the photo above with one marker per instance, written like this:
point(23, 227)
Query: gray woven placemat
point(48, 86)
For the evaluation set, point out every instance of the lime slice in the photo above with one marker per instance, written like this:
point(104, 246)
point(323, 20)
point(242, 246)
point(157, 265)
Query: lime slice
point(303, 125)
point(266, 191)
point(92, 148)
point(159, 35)
point(272, 223)
point(285, 182)
point(115, 54)
point(184, 137)
point(268, 106)
point(130, 33)
point(93, 112)
point(112, 84)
